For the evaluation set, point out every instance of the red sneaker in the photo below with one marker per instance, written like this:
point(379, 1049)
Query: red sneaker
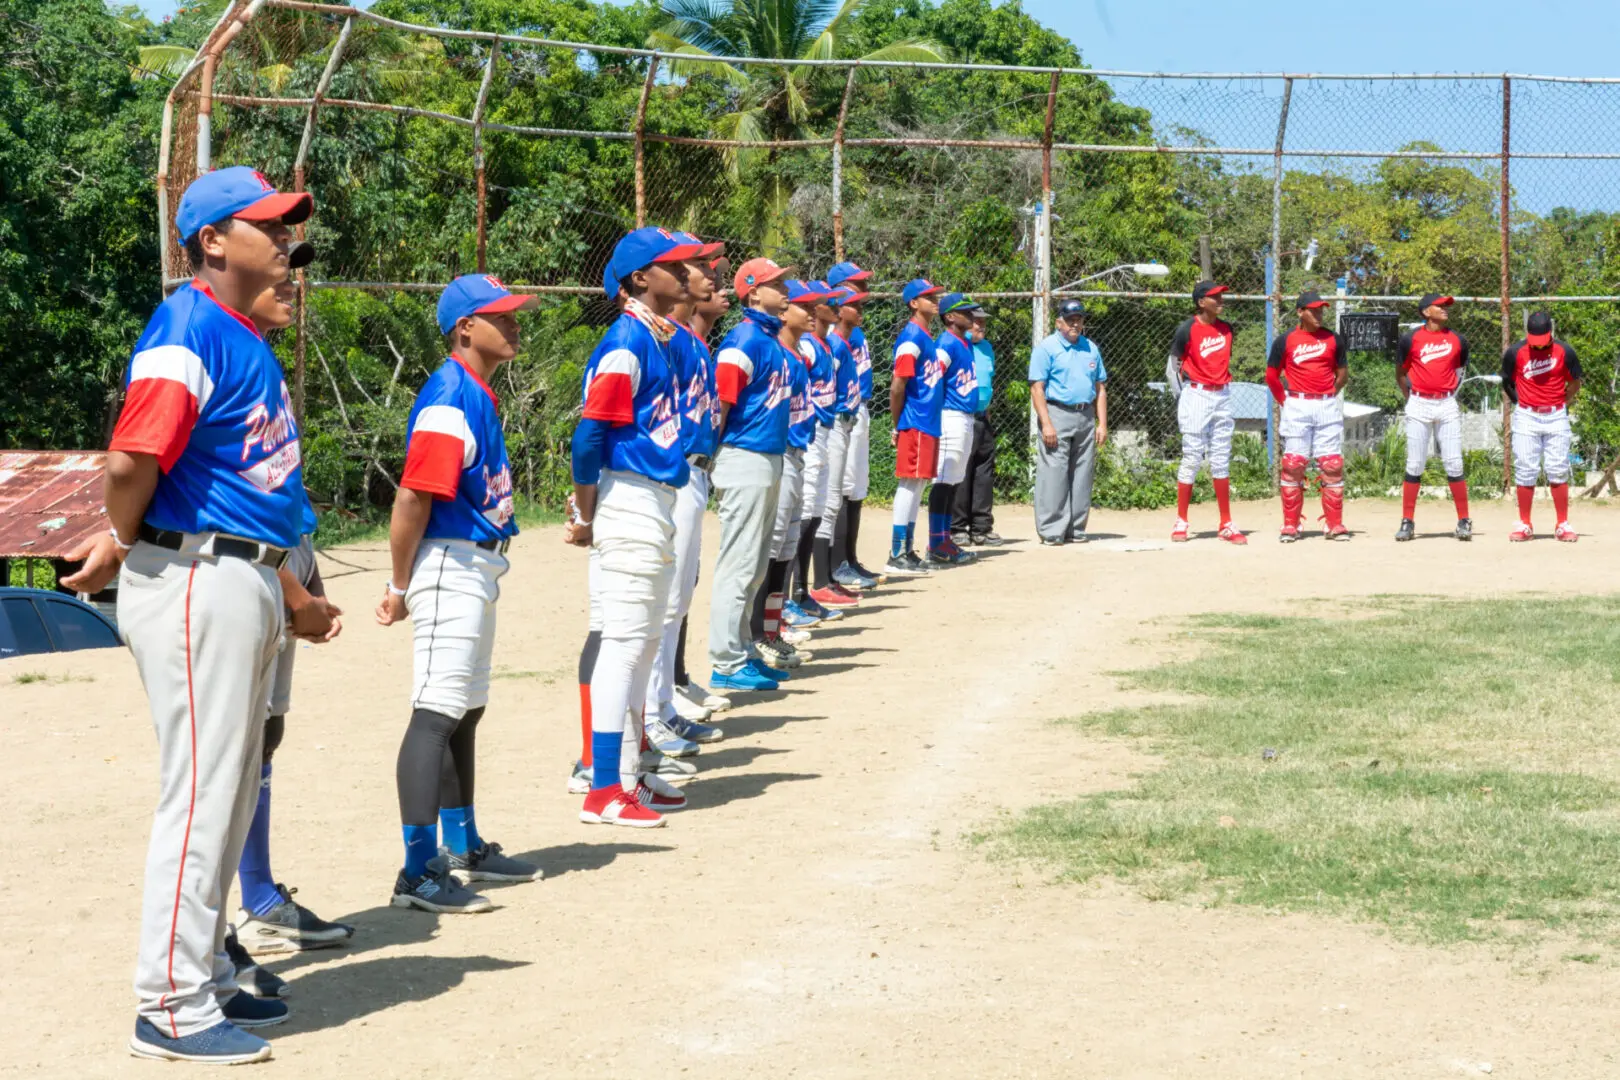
point(1522, 532)
point(659, 794)
point(615, 806)
point(1565, 533)
point(1232, 535)
point(833, 597)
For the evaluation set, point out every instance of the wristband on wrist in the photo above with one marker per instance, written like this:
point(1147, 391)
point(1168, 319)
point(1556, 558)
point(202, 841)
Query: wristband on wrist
point(392, 591)
point(113, 532)
point(580, 521)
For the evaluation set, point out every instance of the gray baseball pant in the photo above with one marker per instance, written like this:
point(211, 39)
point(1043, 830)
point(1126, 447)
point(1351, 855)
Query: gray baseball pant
point(204, 632)
point(1063, 475)
point(748, 484)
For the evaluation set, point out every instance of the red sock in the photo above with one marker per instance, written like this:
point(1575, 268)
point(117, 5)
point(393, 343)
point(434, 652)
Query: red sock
point(1459, 495)
point(1183, 500)
point(1560, 494)
point(1527, 495)
point(585, 723)
point(1409, 492)
point(1223, 499)
point(773, 616)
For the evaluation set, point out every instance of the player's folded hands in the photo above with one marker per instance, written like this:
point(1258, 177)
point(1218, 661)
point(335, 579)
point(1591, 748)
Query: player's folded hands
point(316, 620)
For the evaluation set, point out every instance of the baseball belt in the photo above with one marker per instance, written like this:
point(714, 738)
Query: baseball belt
point(1313, 397)
point(497, 546)
point(234, 547)
point(1207, 386)
point(1431, 397)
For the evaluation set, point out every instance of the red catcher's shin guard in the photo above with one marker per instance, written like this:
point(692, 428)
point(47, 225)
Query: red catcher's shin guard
point(1183, 500)
point(1332, 481)
point(1223, 499)
point(1409, 494)
point(1292, 488)
point(1560, 494)
point(1459, 495)
point(1527, 496)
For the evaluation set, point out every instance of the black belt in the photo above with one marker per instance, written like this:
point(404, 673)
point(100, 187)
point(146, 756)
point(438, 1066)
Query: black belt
point(233, 546)
point(1082, 407)
point(702, 462)
point(498, 546)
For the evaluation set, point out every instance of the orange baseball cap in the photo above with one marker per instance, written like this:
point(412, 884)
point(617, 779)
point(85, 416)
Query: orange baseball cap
point(758, 272)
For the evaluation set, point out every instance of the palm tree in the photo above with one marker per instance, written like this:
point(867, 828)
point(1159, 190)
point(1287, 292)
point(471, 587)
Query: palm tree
point(773, 103)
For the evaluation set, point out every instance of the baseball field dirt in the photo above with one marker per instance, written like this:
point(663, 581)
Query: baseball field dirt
point(819, 910)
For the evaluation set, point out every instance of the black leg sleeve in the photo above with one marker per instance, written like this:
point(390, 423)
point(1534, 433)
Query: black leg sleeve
point(420, 765)
point(274, 728)
point(456, 772)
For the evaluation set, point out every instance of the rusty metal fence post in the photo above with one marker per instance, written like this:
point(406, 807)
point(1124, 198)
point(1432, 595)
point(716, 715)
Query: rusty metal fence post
point(641, 142)
point(478, 153)
point(838, 168)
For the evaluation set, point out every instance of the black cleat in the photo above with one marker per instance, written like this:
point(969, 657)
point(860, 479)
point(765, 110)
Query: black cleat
point(1465, 529)
point(1407, 530)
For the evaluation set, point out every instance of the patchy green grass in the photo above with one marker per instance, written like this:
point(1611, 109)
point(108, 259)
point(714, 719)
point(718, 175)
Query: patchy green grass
point(25, 677)
point(1450, 770)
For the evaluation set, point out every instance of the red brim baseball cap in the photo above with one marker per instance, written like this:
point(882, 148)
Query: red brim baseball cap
point(1540, 341)
point(292, 207)
point(511, 302)
point(758, 272)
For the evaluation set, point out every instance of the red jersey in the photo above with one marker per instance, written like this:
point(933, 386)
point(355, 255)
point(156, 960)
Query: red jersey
point(1431, 359)
point(1204, 351)
point(1539, 378)
point(1310, 360)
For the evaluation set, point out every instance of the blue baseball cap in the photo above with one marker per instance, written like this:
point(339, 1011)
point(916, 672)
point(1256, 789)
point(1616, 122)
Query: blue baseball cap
point(920, 287)
point(477, 294)
point(805, 292)
point(956, 301)
point(846, 271)
point(643, 247)
point(238, 192)
point(847, 295)
point(706, 249)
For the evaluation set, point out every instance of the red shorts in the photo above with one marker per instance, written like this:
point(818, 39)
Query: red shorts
point(916, 456)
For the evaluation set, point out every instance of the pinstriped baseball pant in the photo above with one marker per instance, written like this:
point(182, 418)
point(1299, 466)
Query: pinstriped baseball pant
point(1205, 418)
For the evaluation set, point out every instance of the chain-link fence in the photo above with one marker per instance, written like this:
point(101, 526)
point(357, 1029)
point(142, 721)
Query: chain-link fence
point(434, 151)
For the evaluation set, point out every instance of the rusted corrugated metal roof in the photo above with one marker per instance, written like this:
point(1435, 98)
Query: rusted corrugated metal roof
point(50, 500)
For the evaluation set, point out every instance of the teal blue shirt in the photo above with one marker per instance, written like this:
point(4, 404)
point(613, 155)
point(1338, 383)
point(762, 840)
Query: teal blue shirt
point(984, 368)
point(1071, 373)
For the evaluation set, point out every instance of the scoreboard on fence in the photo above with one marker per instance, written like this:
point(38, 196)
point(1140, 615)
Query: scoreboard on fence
point(1370, 331)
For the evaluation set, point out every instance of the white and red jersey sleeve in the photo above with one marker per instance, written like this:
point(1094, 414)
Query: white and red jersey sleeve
point(906, 355)
point(611, 385)
point(439, 446)
point(169, 386)
point(733, 371)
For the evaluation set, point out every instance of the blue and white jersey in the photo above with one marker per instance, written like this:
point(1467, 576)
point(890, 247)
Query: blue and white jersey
point(846, 383)
point(630, 385)
point(802, 422)
point(455, 450)
point(752, 373)
point(205, 396)
point(700, 404)
point(918, 360)
point(961, 377)
point(823, 377)
point(863, 361)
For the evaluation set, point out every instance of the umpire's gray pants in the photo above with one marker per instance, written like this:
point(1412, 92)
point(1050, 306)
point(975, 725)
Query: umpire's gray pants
point(1063, 475)
point(748, 484)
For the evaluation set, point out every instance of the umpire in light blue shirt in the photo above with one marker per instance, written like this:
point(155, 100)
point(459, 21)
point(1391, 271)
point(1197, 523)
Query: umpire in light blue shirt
point(1068, 388)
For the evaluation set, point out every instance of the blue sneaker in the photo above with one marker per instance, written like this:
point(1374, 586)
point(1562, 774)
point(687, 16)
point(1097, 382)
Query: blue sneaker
point(695, 730)
point(820, 611)
point(796, 617)
point(667, 742)
point(762, 668)
point(745, 678)
point(851, 578)
point(246, 1011)
point(222, 1044)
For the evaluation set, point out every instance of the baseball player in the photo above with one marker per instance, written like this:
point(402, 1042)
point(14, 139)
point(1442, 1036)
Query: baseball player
point(629, 467)
point(694, 373)
point(205, 496)
point(916, 397)
point(272, 921)
point(1427, 362)
point(451, 525)
point(857, 465)
point(1312, 361)
point(846, 409)
point(1541, 375)
point(778, 656)
point(752, 380)
point(1200, 366)
point(955, 426)
point(825, 456)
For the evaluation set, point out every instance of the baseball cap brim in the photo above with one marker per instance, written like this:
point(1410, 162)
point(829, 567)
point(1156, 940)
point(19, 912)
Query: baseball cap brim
point(292, 207)
point(683, 252)
point(300, 255)
point(859, 275)
point(932, 291)
point(771, 277)
point(1216, 291)
point(1441, 301)
point(1314, 304)
point(855, 298)
point(1540, 341)
point(510, 302)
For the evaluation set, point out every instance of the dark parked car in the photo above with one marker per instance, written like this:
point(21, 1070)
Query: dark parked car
point(37, 621)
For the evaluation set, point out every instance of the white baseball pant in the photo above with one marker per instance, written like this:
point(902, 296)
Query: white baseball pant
point(301, 564)
point(204, 632)
point(858, 465)
point(955, 446)
point(451, 598)
point(690, 504)
point(838, 446)
point(1433, 420)
point(813, 496)
point(784, 542)
point(1205, 418)
point(1540, 441)
point(633, 548)
point(1312, 427)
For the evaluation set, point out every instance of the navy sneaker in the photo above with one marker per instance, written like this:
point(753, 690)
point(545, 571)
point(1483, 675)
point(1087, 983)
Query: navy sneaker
point(821, 611)
point(797, 617)
point(765, 670)
point(851, 578)
point(745, 678)
point(246, 1011)
point(222, 1044)
point(695, 730)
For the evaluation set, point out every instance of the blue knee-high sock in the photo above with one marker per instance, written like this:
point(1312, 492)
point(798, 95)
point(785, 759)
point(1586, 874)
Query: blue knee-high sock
point(897, 546)
point(459, 829)
point(911, 537)
point(605, 748)
point(259, 893)
point(938, 526)
point(421, 844)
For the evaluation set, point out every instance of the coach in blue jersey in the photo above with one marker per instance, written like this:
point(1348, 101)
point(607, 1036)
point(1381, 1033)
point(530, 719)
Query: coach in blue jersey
point(752, 380)
point(916, 398)
point(204, 496)
point(628, 466)
point(857, 464)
